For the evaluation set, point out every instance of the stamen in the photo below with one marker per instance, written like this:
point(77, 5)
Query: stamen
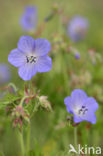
point(31, 59)
point(83, 106)
point(80, 110)
point(83, 110)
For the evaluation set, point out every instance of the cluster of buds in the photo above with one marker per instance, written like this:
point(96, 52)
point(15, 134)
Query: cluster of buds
point(19, 116)
point(18, 110)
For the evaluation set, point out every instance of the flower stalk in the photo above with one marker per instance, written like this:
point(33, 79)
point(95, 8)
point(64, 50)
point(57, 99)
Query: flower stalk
point(28, 139)
point(21, 142)
point(75, 139)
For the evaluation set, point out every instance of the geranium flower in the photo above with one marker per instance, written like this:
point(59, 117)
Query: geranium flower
point(5, 73)
point(81, 106)
point(31, 57)
point(77, 28)
point(77, 55)
point(29, 18)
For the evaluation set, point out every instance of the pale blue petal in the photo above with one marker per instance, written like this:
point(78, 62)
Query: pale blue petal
point(77, 119)
point(26, 44)
point(68, 103)
point(44, 64)
point(42, 47)
point(78, 97)
point(29, 18)
point(91, 104)
point(77, 28)
point(17, 58)
point(90, 117)
point(5, 73)
point(27, 71)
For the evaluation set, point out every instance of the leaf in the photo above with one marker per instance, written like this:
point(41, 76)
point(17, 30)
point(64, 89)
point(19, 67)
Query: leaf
point(9, 99)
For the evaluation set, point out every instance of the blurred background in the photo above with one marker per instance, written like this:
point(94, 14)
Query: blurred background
point(50, 132)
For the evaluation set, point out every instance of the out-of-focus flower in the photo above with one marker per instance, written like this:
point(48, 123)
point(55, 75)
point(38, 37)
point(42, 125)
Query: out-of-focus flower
point(77, 28)
point(31, 57)
point(81, 106)
point(4, 73)
point(77, 56)
point(29, 19)
point(84, 78)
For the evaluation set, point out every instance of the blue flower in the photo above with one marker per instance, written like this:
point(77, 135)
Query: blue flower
point(31, 57)
point(29, 18)
point(77, 55)
point(81, 106)
point(5, 73)
point(77, 28)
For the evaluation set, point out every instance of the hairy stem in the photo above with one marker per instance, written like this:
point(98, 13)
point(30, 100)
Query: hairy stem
point(28, 139)
point(21, 142)
point(75, 139)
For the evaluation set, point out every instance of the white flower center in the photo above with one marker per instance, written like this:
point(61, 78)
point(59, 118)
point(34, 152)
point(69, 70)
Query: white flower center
point(31, 59)
point(81, 111)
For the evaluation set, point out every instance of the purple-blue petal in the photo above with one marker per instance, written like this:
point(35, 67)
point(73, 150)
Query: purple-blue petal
point(44, 64)
point(77, 55)
point(26, 44)
point(91, 104)
point(29, 19)
point(68, 103)
point(77, 28)
point(42, 47)
point(90, 117)
point(5, 73)
point(78, 97)
point(27, 71)
point(17, 58)
point(77, 119)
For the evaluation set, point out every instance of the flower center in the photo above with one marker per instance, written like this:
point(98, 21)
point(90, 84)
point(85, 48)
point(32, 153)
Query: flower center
point(83, 110)
point(31, 59)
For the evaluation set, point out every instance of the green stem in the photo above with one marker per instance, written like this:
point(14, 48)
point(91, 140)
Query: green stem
point(75, 139)
point(28, 139)
point(23, 99)
point(21, 142)
point(30, 86)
